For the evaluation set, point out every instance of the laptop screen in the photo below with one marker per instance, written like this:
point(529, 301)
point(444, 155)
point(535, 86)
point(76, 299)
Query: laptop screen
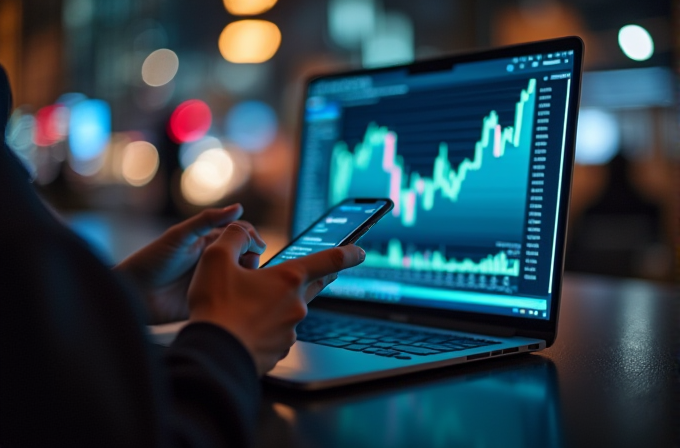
point(473, 156)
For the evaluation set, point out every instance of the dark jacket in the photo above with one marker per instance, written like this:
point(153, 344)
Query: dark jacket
point(76, 366)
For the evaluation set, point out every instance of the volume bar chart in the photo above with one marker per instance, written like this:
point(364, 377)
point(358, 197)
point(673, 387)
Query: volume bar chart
point(436, 261)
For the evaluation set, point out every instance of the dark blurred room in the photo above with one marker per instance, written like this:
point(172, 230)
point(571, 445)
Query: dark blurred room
point(135, 114)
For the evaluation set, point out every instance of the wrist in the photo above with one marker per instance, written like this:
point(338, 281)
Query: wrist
point(211, 319)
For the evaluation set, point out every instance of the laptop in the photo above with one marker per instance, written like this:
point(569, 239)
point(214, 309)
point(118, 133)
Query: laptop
point(476, 151)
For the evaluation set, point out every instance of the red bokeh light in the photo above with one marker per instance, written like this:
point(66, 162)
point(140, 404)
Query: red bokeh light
point(49, 125)
point(190, 121)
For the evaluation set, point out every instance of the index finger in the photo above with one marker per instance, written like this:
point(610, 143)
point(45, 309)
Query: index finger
point(235, 241)
point(329, 261)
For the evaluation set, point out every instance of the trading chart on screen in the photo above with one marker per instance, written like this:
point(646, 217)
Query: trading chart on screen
point(471, 159)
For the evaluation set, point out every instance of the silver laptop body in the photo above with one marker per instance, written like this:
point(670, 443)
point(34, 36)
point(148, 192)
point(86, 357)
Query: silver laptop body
point(476, 151)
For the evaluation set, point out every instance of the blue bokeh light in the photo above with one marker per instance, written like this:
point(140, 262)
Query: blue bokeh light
point(252, 125)
point(89, 129)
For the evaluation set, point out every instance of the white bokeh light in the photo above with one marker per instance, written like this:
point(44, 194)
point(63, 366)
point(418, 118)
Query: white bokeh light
point(191, 151)
point(208, 179)
point(636, 42)
point(160, 67)
point(598, 136)
point(140, 163)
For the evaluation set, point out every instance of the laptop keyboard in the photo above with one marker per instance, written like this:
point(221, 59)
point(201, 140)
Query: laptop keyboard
point(381, 340)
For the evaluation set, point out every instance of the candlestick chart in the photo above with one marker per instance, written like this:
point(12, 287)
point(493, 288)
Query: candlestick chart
point(456, 180)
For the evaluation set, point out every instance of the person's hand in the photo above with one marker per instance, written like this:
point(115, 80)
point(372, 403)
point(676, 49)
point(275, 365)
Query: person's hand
point(261, 307)
point(164, 268)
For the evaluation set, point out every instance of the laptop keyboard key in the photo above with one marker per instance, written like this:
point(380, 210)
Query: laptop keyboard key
point(441, 348)
point(436, 340)
point(415, 350)
point(333, 342)
point(357, 347)
point(387, 353)
point(389, 339)
point(348, 338)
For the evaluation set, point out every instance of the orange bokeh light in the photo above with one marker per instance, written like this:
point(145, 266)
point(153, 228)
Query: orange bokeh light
point(248, 7)
point(249, 41)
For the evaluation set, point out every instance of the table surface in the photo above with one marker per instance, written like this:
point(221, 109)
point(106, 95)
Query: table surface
point(612, 378)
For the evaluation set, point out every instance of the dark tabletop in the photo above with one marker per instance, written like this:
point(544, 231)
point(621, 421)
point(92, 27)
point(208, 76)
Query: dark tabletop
point(612, 379)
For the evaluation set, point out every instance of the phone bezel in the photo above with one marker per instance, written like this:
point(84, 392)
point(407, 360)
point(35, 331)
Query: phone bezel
point(357, 233)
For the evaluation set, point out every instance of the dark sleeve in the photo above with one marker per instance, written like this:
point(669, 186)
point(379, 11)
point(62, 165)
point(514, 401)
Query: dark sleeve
point(214, 385)
point(76, 367)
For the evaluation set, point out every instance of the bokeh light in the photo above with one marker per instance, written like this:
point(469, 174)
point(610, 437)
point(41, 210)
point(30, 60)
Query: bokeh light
point(392, 42)
point(597, 140)
point(140, 163)
point(20, 131)
point(207, 180)
point(189, 152)
point(351, 21)
point(51, 125)
point(252, 125)
point(160, 67)
point(19, 137)
point(636, 42)
point(190, 121)
point(249, 41)
point(78, 13)
point(89, 133)
point(248, 7)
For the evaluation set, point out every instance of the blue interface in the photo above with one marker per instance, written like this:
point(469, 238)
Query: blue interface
point(473, 159)
point(329, 231)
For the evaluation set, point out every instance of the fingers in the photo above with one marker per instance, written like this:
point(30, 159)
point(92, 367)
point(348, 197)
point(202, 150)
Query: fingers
point(314, 288)
point(250, 260)
point(235, 241)
point(258, 245)
point(328, 262)
point(202, 223)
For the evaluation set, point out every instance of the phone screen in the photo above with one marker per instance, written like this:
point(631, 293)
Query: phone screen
point(332, 229)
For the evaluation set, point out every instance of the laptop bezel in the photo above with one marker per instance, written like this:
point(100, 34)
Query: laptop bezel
point(438, 317)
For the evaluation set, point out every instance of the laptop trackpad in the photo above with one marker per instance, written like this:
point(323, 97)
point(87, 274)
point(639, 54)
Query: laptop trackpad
point(310, 362)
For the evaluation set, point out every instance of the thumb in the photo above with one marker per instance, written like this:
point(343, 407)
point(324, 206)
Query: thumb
point(329, 261)
point(202, 223)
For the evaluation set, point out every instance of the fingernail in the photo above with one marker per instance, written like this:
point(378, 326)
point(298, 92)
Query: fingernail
point(362, 254)
point(232, 207)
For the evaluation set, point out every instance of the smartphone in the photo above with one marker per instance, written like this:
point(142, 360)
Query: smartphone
point(343, 224)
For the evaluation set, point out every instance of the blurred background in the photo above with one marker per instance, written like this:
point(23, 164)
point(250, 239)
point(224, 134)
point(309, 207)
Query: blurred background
point(132, 115)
